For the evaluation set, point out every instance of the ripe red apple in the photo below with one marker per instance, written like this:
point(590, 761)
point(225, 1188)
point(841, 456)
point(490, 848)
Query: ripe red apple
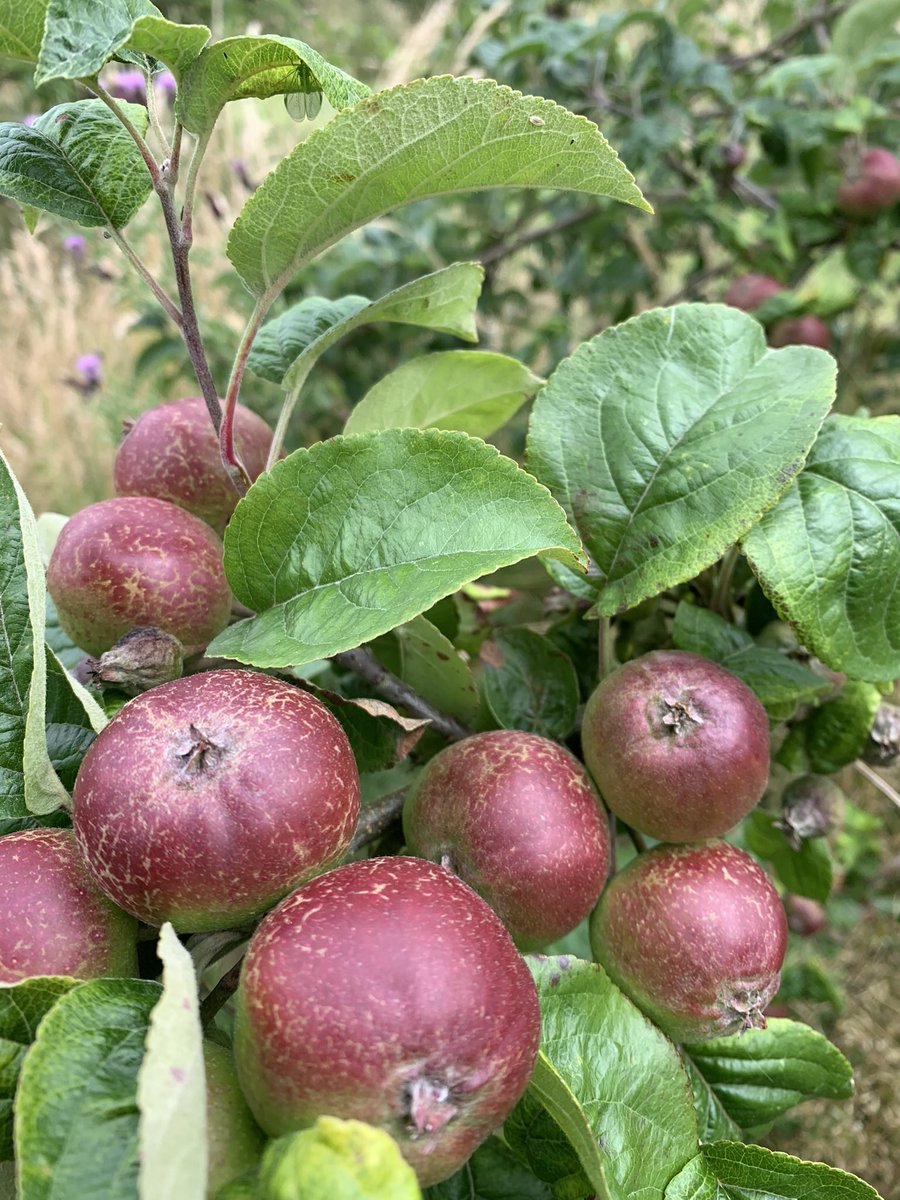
point(696, 936)
point(389, 992)
point(234, 1140)
point(805, 917)
point(800, 331)
point(134, 561)
point(872, 187)
point(748, 292)
point(172, 452)
point(53, 920)
point(679, 746)
point(207, 799)
point(516, 817)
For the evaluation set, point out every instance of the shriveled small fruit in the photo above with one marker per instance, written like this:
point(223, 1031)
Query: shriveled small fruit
point(805, 917)
point(696, 936)
point(883, 745)
point(748, 292)
point(811, 806)
point(53, 918)
point(387, 991)
point(517, 817)
point(135, 561)
point(679, 746)
point(172, 452)
point(141, 659)
point(205, 800)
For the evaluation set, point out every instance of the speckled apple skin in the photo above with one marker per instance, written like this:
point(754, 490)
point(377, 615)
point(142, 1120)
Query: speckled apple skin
point(210, 843)
point(53, 919)
point(125, 563)
point(696, 936)
point(874, 187)
point(676, 783)
point(516, 817)
point(371, 977)
point(172, 452)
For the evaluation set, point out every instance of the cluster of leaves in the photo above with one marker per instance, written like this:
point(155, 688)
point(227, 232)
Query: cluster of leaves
point(662, 454)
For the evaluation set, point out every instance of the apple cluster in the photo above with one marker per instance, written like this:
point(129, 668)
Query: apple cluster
point(389, 989)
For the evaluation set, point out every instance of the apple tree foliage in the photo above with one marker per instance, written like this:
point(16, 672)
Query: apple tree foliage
point(683, 484)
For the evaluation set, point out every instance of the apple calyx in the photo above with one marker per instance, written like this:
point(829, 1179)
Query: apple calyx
point(678, 716)
point(201, 753)
point(428, 1106)
point(746, 1004)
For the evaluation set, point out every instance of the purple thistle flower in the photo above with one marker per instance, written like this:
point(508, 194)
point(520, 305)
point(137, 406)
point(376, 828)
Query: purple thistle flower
point(76, 245)
point(130, 86)
point(165, 83)
point(30, 119)
point(89, 373)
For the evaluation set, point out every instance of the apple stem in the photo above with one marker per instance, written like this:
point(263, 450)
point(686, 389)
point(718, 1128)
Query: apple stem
point(220, 994)
point(376, 818)
point(364, 663)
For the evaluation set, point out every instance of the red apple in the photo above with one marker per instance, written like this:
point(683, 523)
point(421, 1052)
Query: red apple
point(135, 561)
point(800, 331)
point(207, 799)
point(748, 292)
point(387, 991)
point(172, 452)
point(873, 185)
point(53, 919)
point(805, 917)
point(679, 746)
point(696, 936)
point(516, 817)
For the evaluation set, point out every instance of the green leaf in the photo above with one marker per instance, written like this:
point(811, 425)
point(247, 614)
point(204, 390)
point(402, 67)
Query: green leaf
point(429, 138)
point(77, 161)
point(69, 730)
point(171, 1085)
point(779, 682)
point(76, 1107)
point(343, 1160)
point(529, 684)
point(22, 1006)
point(58, 640)
point(864, 28)
point(667, 437)
point(492, 1173)
point(22, 28)
point(175, 45)
point(432, 666)
point(733, 1171)
point(281, 341)
point(540, 1144)
point(239, 67)
point(365, 532)
point(828, 556)
point(475, 391)
point(379, 736)
point(712, 1119)
point(761, 1074)
point(82, 35)
point(806, 872)
point(837, 731)
point(612, 1080)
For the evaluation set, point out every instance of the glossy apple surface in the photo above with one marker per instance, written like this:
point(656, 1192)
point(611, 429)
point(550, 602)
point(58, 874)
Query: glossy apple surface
point(517, 817)
point(696, 936)
point(207, 799)
point(387, 991)
point(678, 746)
point(135, 561)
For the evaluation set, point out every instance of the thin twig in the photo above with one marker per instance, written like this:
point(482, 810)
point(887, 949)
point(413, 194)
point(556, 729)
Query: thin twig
point(721, 601)
point(875, 779)
point(776, 48)
point(364, 664)
point(101, 93)
point(605, 656)
point(158, 291)
point(637, 839)
point(190, 187)
point(233, 465)
point(220, 995)
point(376, 818)
point(511, 244)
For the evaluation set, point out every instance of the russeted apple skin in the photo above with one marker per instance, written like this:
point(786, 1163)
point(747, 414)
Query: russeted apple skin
point(389, 992)
point(748, 292)
point(135, 561)
point(207, 799)
point(696, 936)
point(873, 187)
point(678, 746)
point(516, 816)
point(171, 452)
point(800, 331)
point(234, 1140)
point(53, 918)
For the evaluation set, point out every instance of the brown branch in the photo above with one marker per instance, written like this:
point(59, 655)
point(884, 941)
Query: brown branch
point(777, 48)
point(376, 818)
point(510, 245)
point(364, 664)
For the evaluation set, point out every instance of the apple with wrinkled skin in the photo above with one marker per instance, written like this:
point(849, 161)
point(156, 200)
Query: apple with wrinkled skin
point(748, 292)
point(872, 187)
point(53, 918)
point(517, 817)
point(171, 452)
point(207, 799)
point(678, 746)
point(811, 806)
point(234, 1141)
point(696, 936)
point(387, 991)
point(800, 331)
point(135, 561)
